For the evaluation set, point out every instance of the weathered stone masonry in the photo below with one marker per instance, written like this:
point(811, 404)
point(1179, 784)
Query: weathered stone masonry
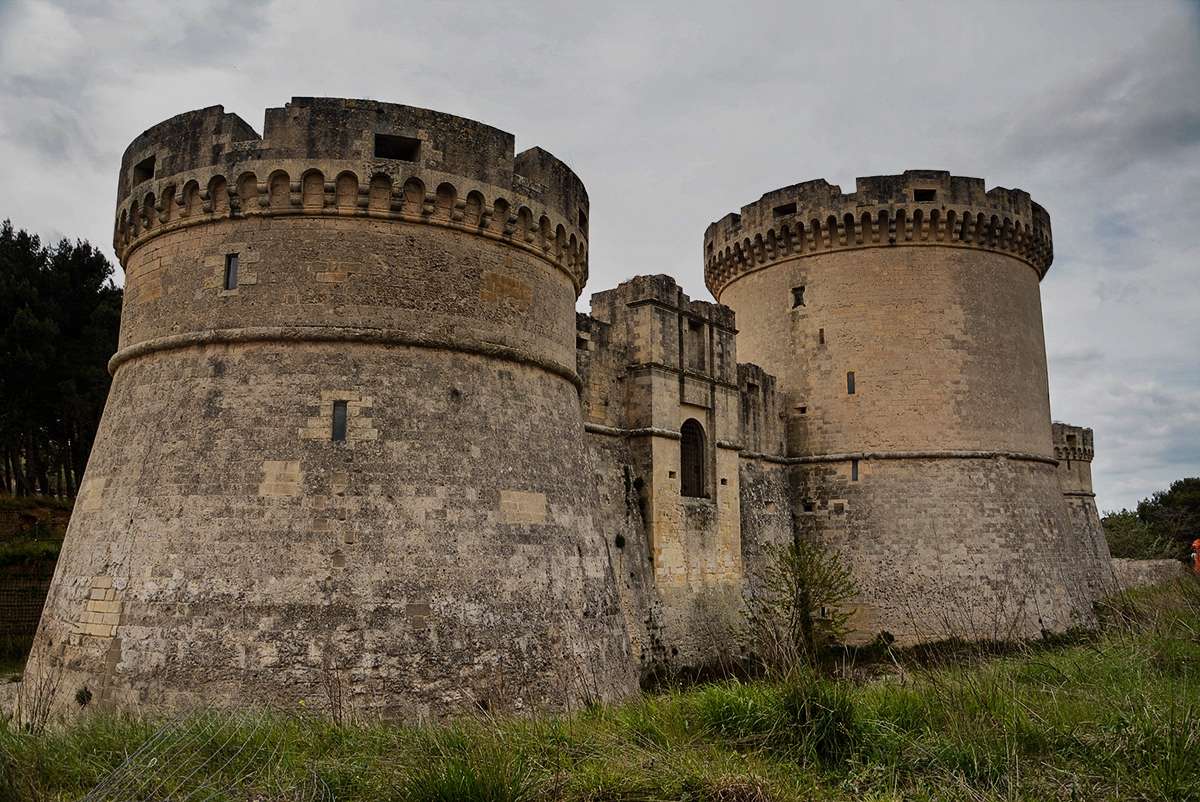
point(349, 439)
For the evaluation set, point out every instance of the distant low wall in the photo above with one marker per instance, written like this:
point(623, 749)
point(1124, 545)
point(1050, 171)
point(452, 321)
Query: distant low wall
point(1140, 573)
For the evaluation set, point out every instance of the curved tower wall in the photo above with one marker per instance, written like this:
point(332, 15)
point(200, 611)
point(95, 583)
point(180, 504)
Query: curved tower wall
point(402, 266)
point(904, 325)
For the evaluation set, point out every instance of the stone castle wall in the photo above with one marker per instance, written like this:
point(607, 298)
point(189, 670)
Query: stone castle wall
point(350, 449)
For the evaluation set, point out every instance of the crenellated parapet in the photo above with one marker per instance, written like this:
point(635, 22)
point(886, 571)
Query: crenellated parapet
point(1072, 442)
point(357, 158)
point(918, 207)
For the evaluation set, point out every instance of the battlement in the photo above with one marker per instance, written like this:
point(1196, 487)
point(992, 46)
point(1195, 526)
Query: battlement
point(663, 291)
point(1072, 442)
point(918, 207)
point(332, 156)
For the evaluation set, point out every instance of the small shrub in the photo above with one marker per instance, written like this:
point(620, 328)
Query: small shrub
point(796, 604)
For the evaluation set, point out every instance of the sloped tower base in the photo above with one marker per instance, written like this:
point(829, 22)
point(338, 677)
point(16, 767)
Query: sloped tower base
point(973, 548)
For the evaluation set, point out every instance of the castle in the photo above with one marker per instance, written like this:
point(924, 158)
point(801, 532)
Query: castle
point(358, 435)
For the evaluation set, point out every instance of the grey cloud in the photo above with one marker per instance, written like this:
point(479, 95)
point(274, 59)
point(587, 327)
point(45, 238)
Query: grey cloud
point(1144, 107)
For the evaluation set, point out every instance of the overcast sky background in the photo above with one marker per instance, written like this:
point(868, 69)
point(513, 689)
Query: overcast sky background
point(675, 114)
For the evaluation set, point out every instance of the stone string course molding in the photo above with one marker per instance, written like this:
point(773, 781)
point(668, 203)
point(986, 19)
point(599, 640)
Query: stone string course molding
point(918, 207)
point(331, 334)
point(206, 165)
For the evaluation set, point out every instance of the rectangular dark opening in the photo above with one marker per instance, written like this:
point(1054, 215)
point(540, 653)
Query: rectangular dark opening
point(697, 343)
point(801, 410)
point(850, 383)
point(785, 209)
point(581, 344)
point(751, 388)
point(390, 146)
point(853, 470)
point(339, 421)
point(231, 271)
point(143, 170)
point(797, 297)
point(821, 336)
point(808, 506)
point(924, 195)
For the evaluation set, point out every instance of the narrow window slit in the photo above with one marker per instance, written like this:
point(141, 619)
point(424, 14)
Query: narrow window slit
point(850, 383)
point(797, 297)
point(339, 421)
point(231, 271)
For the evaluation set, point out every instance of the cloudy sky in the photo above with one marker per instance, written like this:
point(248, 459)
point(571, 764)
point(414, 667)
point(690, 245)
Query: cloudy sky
point(675, 114)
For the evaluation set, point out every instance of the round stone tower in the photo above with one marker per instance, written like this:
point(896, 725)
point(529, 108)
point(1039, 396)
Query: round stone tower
point(904, 324)
point(340, 462)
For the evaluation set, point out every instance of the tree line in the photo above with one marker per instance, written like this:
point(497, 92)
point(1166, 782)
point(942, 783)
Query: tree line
point(1162, 527)
point(60, 314)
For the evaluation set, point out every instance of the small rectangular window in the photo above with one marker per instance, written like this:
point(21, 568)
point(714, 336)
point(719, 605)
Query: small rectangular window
point(853, 470)
point(339, 421)
point(143, 170)
point(231, 270)
point(797, 297)
point(821, 336)
point(924, 195)
point(785, 209)
point(850, 383)
point(808, 506)
point(402, 148)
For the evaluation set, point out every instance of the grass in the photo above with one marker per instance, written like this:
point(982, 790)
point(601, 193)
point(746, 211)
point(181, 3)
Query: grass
point(1108, 715)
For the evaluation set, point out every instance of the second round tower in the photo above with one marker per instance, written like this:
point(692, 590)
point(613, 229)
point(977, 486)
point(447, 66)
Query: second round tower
point(904, 324)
